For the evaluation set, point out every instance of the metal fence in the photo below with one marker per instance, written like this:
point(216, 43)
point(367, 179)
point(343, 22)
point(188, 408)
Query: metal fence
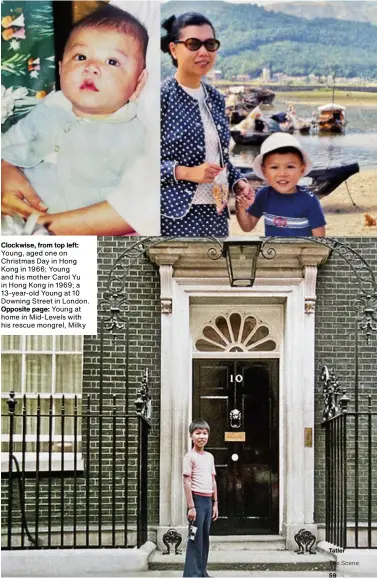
point(351, 470)
point(86, 487)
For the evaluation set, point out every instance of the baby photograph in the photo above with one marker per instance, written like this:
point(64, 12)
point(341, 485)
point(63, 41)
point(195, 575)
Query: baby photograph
point(80, 144)
point(269, 118)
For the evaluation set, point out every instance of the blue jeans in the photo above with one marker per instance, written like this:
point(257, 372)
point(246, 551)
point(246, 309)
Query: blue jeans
point(197, 550)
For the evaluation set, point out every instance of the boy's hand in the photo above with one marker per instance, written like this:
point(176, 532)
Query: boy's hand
point(191, 515)
point(17, 194)
point(215, 511)
point(244, 189)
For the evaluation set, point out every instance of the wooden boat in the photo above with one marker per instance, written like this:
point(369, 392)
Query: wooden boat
point(321, 182)
point(331, 118)
point(236, 113)
point(258, 95)
point(241, 101)
point(256, 127)
point(249, 137)
point(254, 137)
point(300, 125)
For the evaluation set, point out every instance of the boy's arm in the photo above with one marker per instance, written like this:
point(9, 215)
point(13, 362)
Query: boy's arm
point(191, 514)
point(319, 232)
point(215, 505)
point(246, 221)
point(316, 217)
point(249, 209)
point(98, 219)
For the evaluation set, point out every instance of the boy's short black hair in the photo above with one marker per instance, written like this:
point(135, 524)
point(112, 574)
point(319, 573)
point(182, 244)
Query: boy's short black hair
point(284, 151)
point(198, 424)
point(114, 18)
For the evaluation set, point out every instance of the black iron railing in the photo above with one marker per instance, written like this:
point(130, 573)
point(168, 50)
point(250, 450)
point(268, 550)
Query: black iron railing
point(351, 469)
point(76, 488)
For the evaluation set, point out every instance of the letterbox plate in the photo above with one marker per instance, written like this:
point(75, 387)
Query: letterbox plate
point(308, 437)
point(235, 436)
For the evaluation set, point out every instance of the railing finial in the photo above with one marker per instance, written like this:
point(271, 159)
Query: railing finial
point(12, 402)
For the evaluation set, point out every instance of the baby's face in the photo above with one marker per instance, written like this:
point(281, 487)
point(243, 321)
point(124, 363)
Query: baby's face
point(100, 70)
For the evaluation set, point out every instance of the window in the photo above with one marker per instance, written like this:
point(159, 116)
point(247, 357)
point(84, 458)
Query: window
point(51, 367)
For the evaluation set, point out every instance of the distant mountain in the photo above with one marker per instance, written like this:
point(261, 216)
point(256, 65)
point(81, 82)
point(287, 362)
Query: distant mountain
point(355, 11)
point(253, 37)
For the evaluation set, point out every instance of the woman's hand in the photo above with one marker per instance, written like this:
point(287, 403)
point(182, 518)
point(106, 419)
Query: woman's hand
point(204, 173)
point(17, 194)
point(191, 515)
point(215, 511)
point(243, 188)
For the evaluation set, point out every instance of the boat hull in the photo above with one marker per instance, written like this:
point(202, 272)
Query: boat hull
point(252, 137)
point(324, 181)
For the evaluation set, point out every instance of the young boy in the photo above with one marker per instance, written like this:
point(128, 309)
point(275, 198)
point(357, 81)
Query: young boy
point(201, 495)
point(76, 145)
point(289, 210)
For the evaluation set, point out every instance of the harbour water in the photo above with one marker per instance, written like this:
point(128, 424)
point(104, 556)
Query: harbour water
point(357, 144)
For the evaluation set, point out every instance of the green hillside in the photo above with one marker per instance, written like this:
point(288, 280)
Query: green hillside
point(355, 11)
point(253, 37)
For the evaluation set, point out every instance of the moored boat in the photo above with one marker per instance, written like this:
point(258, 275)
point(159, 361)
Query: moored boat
point(242, 100)
point(321, 181)
point(331, 118)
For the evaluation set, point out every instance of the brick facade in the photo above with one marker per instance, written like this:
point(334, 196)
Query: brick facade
point(335, 346)
point(337, 289)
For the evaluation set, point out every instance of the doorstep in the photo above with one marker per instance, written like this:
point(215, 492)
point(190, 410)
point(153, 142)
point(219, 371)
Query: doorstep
point(249, 560)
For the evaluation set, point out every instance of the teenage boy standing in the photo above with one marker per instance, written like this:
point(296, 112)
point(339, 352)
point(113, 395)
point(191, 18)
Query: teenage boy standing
point(199, 480)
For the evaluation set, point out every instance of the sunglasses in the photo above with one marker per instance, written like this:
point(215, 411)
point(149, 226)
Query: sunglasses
point(193, 44)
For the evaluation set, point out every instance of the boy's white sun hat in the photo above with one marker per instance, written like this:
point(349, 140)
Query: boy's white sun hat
point(276, 141)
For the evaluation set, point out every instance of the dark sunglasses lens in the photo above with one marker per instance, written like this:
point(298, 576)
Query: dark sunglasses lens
point(193, 43)
point(212, 44)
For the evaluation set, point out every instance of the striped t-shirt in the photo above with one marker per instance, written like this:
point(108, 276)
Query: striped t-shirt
point(290, 215)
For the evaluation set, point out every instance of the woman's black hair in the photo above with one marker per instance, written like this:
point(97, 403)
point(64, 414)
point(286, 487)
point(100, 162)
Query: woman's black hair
point(173, 27)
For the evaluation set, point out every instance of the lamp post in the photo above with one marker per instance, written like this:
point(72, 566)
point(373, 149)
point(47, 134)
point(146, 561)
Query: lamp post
point(241, 256)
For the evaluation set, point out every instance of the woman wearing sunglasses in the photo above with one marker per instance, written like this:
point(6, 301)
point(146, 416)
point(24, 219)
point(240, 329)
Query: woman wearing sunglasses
point(194, 136)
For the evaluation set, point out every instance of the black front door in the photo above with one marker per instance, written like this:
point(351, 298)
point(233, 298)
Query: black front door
point(240, 401)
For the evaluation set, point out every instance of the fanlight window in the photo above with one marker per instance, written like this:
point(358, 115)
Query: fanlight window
point(235, 333)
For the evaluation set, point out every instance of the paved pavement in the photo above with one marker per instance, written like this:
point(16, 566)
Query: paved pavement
point(235, 574)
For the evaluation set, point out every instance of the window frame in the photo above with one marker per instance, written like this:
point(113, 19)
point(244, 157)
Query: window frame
point(56, 456)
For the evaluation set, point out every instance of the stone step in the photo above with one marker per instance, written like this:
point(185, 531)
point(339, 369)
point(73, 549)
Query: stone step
point(246, 560)
point(257, 542)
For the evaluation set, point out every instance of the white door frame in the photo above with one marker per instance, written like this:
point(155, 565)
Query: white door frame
point(296, 390)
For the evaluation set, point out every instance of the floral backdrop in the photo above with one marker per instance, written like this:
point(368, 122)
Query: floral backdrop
point(27, 57)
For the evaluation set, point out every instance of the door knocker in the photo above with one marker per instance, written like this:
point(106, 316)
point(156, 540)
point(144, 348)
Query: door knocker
point(235, 418)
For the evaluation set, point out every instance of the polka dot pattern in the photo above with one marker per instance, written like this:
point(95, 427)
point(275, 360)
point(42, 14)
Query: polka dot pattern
point(183, 143)
point(200, 221)
point(203, 194)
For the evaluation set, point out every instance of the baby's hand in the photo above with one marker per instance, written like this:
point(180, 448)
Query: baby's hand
point(17, 194)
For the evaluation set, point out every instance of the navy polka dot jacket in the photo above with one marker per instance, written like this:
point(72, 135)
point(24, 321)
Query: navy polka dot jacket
point(182, 143)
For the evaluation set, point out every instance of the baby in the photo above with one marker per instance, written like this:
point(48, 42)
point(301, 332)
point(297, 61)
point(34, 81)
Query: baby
point(289, 210)
point(77, 145)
